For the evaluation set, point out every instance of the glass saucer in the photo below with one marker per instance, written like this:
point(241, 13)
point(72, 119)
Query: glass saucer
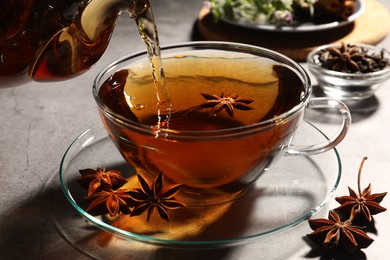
point(289, 193)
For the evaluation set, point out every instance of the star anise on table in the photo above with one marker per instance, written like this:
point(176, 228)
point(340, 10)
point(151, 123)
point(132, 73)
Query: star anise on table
point(100, 179)
point(348, 234)
point(155, 196)
point(342, 59)
point(229, 103)
point(111, 201)
point(332, 233)
point(364, 203)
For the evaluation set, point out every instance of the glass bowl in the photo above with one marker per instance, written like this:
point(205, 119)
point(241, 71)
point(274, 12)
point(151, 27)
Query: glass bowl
point(348, 86)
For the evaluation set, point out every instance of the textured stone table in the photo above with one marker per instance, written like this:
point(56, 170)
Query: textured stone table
point(39, 121)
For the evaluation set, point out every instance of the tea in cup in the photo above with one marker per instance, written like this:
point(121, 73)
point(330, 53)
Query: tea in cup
point(233, 110)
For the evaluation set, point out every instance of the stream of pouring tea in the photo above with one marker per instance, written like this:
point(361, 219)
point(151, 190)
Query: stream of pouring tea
point(148, 31)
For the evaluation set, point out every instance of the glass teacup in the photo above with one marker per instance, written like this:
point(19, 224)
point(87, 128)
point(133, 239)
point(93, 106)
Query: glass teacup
point(233, 113)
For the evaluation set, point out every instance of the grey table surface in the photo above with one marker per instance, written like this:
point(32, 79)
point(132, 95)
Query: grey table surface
point(38, 121)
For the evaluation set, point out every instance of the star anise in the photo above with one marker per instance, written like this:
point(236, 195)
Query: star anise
point(100, 179)
point(342, 59)
point(111, 201)
point(332, 233)
point(364, 203)
point(155, 196)
point(229, 103)
point(352, 58)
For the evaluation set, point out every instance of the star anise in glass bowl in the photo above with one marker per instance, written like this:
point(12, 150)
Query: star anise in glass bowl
point(349, 71)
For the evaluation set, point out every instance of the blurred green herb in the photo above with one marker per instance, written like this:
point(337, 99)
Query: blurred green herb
point(279, 12)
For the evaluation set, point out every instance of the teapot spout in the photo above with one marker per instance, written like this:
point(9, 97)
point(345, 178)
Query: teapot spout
point(74, 49)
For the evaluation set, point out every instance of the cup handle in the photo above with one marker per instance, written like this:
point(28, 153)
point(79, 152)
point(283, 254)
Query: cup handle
point(336, 139)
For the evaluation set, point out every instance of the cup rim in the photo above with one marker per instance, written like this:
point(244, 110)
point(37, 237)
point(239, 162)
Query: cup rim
point(232, 46)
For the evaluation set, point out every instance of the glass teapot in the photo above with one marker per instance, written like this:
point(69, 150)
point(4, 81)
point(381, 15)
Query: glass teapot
point(48, 40)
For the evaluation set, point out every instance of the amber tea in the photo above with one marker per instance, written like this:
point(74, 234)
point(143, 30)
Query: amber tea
point(211, 93)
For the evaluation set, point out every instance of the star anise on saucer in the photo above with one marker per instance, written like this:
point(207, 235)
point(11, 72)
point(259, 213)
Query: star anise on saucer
point(332, 233)
point(100, 179)
point(229, 103)
point(155, 196)
point(111, 201)
point(364, 203)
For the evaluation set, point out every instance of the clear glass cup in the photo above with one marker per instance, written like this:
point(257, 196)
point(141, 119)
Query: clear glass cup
point(215, 166)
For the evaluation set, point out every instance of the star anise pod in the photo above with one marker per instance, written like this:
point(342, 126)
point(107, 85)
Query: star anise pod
point(229, 103)
point(364, 204)
point(155, 196)
point(342, 59)
point(111, 201)
point(100, 179)
point(332, 233)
